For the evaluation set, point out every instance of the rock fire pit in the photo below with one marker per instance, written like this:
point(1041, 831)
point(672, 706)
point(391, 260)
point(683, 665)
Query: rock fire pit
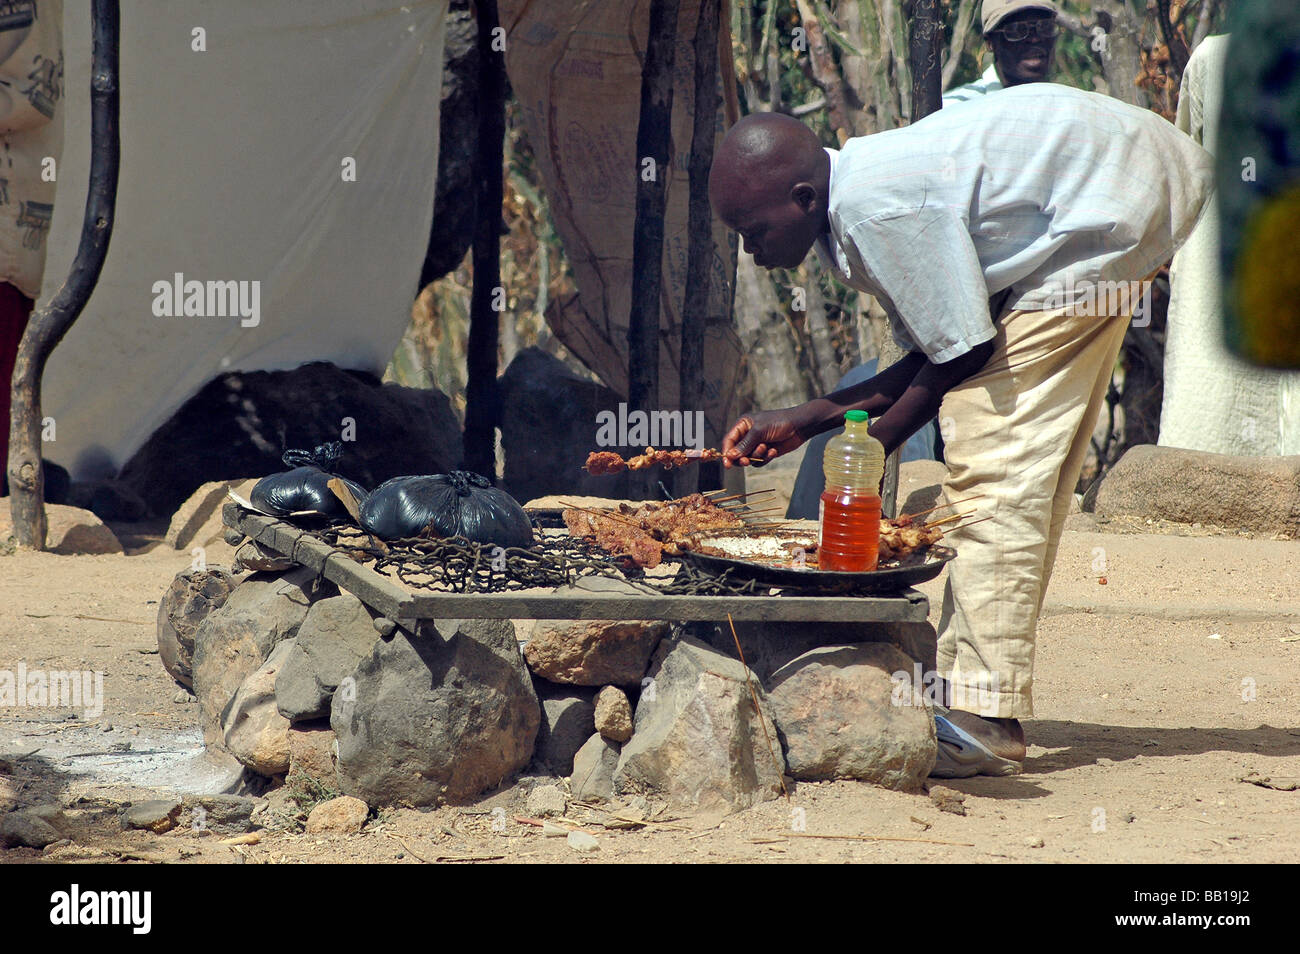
point(335, 673)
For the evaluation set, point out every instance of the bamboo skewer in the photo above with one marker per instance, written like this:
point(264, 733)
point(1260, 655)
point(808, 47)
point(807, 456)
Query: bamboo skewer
point(941, 522)
point(913, 516)
point(971, 524)
point(752, 493)
point(604, 513)
point(754, 511)
point(780, 768)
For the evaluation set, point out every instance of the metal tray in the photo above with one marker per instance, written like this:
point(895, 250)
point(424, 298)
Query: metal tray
point(888, 580)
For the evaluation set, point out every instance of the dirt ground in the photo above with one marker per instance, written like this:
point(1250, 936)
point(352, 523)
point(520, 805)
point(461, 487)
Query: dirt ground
point(1156, 693)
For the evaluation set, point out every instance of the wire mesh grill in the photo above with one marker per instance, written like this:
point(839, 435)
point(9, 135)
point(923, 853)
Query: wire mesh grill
point(458, 565)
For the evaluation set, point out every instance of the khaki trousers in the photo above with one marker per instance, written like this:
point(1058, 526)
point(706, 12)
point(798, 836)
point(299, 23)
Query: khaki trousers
point(1017, 432)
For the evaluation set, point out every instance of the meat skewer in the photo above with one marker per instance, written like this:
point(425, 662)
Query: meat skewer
point(600, 463)
point(646, 532)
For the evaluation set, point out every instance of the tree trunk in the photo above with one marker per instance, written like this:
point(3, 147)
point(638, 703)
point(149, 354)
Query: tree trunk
point(769, 347)
point(961, 34)
point(825, 366)
point(700, 251)
point(924, 54)
point(897, 79)
point(653, 143)
point(1120, 50)
point(865, 328)
point(825, 72)
point(50, 323)
point(481, 408)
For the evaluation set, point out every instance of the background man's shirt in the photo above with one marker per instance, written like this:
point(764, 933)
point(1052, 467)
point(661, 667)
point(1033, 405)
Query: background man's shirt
point(1042, 189)
point(987, 83)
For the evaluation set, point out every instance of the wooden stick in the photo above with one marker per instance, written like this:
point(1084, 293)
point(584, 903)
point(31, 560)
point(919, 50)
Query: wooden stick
point(748, 493)
point(971, 524)
point(737, 504)
point(941, 522)
point(913, 516)
point(780, 772)
point(923, 841)
point(604, 513)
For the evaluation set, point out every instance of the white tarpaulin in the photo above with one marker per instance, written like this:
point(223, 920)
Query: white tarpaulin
point(235, 162)
point(1214, 401)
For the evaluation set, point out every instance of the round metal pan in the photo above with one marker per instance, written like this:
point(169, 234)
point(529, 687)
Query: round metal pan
point(887, 580)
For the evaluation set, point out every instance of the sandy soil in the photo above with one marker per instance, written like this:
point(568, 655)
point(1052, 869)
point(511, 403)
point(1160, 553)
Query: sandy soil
point(1145, 725)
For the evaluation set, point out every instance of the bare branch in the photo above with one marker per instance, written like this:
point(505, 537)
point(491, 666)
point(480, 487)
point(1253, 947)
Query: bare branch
point(824, 71)
point(1209, 10)
point(808, 108)
point(1074, 24)
point(961, 33)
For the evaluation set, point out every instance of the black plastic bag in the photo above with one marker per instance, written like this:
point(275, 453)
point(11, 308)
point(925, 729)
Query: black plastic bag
point(306, 486)
point(459, 504)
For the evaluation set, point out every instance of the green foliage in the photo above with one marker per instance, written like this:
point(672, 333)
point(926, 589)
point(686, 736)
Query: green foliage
point(307, 792)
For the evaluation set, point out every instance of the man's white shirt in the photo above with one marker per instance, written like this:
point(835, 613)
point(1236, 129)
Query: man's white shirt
point(1041, 189)
point(987, 83)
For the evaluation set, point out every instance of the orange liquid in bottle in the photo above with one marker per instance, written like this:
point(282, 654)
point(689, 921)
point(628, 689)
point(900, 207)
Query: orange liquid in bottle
point(850, 537)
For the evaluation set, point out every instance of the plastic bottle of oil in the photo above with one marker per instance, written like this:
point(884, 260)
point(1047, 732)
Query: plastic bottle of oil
point(853, 464)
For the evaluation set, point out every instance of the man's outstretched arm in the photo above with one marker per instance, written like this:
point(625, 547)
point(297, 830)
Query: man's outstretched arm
point(903, 398)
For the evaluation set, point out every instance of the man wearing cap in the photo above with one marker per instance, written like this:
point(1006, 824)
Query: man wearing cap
point(1022, 36)
point(1008, 245)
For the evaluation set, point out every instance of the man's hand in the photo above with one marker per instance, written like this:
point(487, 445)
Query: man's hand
point(763, 436)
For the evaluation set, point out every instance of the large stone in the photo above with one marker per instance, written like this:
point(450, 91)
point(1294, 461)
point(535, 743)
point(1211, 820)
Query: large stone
point(770, 645)
point(545, 801)
point(197, 522)
point(241, 422)
point(841, 715)
point(192, 597)
point(568, 719)
point(251, 727)
point(1259, 494)
point(698, 741)
point(333, 638)
point(70, 530)
point(550, 427)
point(613, 714)
point(344, 815)
point(218, 814)
point(311, 753)
point(156, 815)
point(593, 770)
point(27, 829)
point(593, 652)
point(440, 716)
point(233, 642)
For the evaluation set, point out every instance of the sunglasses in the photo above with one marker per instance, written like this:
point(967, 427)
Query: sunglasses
point(1043, 29)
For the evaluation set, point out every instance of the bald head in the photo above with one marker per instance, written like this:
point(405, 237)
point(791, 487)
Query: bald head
point(770, 181)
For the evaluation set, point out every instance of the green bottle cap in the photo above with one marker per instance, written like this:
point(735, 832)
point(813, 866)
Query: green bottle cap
point(857, 417)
